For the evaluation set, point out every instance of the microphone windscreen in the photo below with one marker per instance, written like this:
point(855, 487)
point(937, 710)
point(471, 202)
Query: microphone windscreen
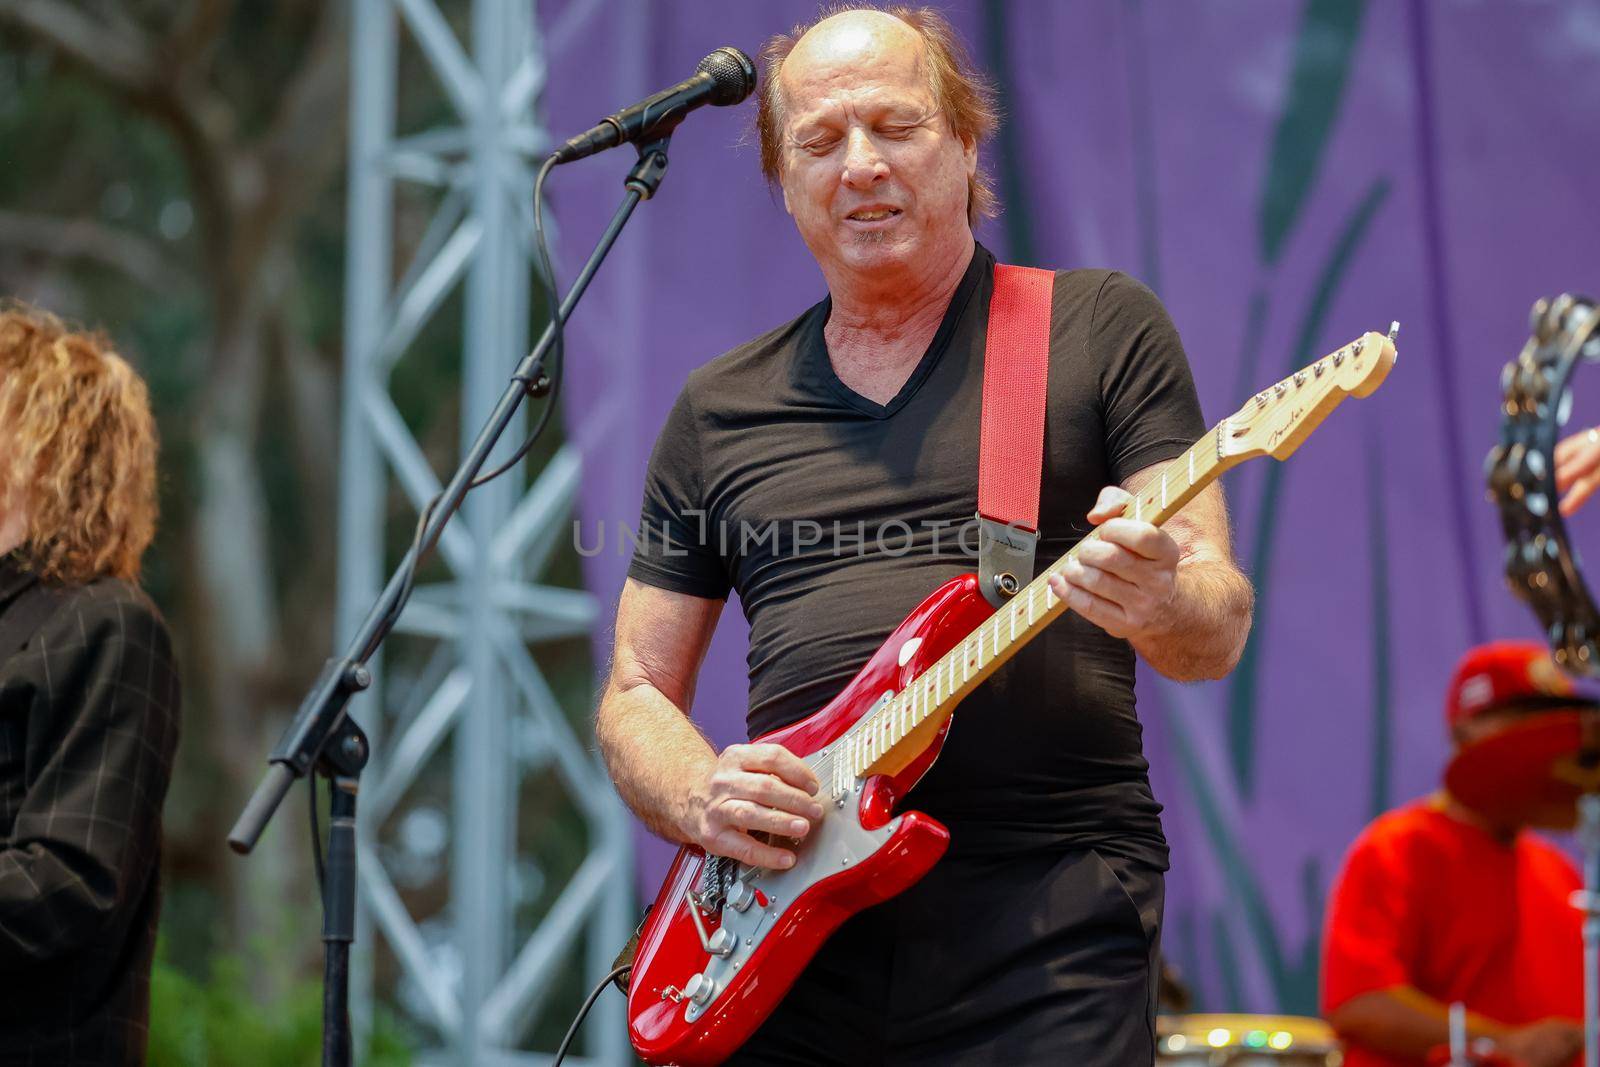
point(733, 73)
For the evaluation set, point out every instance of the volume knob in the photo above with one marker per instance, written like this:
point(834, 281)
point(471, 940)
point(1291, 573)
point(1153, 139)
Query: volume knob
point(740, 896)
point(722, 942)
point(698, 989)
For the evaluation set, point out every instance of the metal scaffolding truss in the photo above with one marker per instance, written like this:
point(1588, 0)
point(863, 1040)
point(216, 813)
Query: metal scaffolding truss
point(483, 696)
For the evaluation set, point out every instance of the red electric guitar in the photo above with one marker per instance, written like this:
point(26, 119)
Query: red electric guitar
point(724, 941)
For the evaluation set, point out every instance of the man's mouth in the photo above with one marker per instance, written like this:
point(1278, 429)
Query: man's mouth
point(873, 214)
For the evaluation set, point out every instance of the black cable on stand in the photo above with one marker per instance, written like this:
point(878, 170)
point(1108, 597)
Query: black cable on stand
point(322, 736)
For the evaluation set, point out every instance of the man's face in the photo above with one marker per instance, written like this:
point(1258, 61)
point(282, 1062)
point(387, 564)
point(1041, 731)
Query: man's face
point(871, 171)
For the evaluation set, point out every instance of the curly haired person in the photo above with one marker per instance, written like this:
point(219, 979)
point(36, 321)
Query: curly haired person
point(88, 699)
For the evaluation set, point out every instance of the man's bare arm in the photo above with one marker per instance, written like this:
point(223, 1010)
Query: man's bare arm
point(1173, 591)
point(1404, 1021)
point(649, 743)
point(664, 768)
point(1208, 619)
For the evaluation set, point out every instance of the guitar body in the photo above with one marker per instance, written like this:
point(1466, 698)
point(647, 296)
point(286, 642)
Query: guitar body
point(862, 852)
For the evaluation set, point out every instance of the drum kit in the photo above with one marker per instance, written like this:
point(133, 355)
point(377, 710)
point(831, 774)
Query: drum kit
point(1245, 1041)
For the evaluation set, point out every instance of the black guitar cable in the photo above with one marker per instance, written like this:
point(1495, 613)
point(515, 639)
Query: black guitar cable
point(594, 995)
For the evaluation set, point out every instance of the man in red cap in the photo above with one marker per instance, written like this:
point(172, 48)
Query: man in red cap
point(1443, 901)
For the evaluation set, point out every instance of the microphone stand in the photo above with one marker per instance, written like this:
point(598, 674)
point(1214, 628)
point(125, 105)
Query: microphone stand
point(322, 735)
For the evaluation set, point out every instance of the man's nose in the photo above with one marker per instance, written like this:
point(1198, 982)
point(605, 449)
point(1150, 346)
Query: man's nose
point(863, 166)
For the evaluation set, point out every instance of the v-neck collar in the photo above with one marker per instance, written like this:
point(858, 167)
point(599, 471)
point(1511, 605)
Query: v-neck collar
point(816, 345)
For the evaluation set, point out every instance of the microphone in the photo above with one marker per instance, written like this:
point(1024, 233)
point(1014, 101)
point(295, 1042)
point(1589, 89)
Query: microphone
point(724, 77)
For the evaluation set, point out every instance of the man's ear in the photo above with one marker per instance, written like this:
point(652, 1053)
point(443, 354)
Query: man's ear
point(969, 149)
point(785, 189)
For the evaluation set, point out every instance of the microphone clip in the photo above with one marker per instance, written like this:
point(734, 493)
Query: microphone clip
point(645, 175)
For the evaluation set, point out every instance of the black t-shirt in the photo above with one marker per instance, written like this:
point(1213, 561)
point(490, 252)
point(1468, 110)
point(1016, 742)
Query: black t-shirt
point(834, 516)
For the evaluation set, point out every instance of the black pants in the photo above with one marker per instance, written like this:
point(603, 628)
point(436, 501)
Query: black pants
point(1042, 958)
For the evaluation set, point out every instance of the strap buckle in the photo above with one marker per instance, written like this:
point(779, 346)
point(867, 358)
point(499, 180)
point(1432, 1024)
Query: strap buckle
point(1005, 559)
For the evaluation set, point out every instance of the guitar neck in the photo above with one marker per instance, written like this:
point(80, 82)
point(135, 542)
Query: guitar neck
point(1273, 423)
point(892, 736)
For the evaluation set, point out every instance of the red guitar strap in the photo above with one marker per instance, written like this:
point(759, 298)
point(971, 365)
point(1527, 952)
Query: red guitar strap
point(1016, 365)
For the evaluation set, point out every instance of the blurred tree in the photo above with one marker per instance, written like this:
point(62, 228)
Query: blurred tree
point(171, 174)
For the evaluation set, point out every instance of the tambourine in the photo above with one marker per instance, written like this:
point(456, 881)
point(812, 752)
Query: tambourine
point(1542, 567)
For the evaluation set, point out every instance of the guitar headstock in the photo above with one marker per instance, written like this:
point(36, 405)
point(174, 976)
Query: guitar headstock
point(1277, 419)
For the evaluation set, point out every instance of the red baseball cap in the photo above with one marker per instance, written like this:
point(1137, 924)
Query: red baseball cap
point(1508, 675)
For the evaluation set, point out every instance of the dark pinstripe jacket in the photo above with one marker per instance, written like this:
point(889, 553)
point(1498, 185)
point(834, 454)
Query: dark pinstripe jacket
point(88, 725)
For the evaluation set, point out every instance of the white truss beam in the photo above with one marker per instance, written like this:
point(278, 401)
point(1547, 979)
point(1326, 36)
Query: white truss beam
point(482, 697)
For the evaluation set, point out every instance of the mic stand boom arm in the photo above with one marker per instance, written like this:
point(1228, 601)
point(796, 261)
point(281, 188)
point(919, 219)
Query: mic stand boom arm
point(322, 734)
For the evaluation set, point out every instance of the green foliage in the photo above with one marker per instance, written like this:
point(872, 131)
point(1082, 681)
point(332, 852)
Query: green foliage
point(218, 1023)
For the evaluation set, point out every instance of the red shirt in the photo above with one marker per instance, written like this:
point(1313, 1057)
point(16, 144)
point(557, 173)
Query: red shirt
point(1429, 901)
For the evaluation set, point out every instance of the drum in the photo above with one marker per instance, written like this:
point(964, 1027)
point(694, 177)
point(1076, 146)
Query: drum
point(1245, 1041)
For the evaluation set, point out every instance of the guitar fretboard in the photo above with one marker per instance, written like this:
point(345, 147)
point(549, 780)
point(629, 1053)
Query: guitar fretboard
point(932, 696)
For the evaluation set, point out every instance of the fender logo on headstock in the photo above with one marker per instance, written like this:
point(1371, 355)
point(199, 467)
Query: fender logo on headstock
point(1282, 431)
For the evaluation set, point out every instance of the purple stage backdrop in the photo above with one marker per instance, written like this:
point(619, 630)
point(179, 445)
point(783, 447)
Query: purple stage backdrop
point(1285, 176)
